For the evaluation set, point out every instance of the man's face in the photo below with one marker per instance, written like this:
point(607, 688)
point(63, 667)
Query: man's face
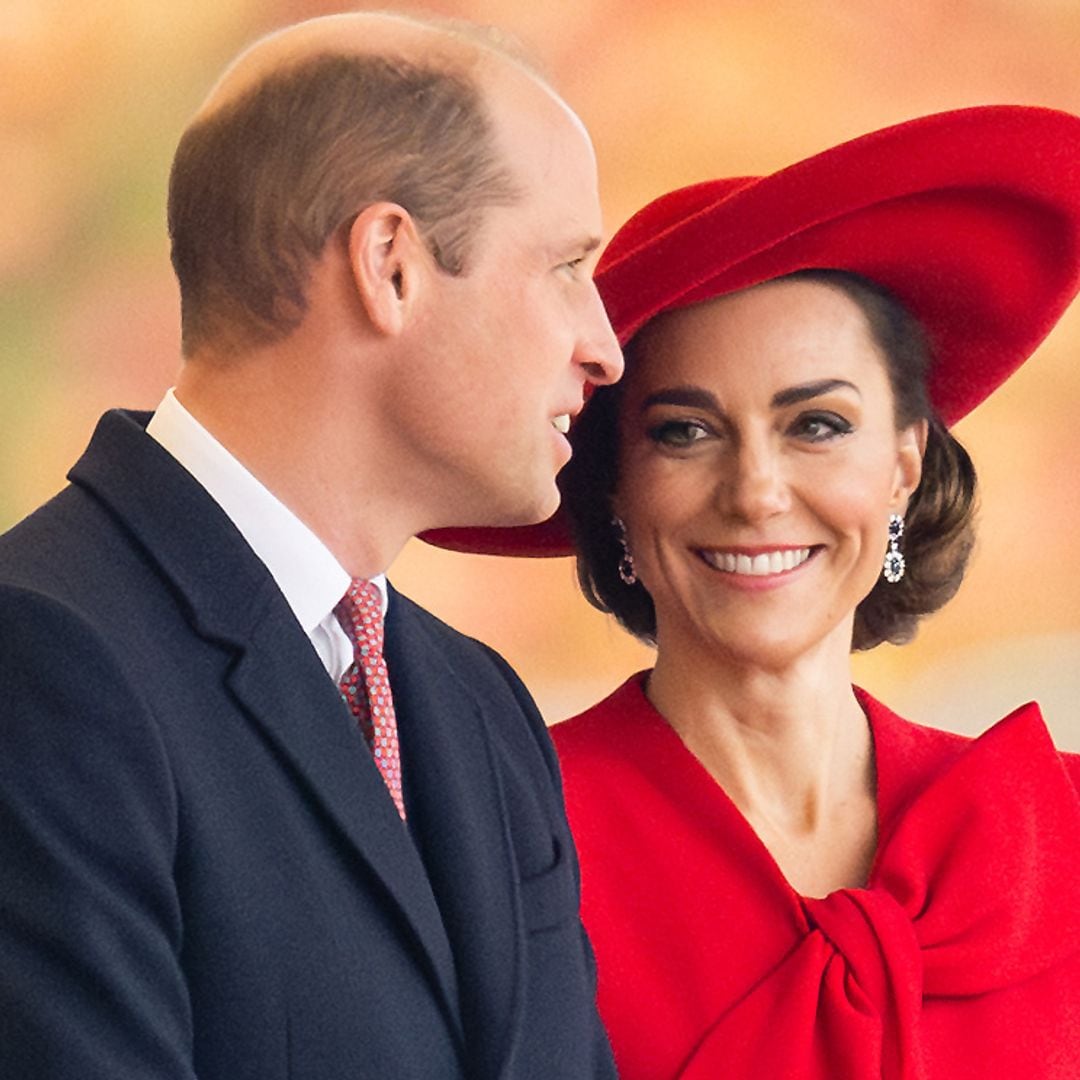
point(503, 352)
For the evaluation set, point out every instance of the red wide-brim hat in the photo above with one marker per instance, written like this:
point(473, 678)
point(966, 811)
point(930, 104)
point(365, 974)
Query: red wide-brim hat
point(971, 218)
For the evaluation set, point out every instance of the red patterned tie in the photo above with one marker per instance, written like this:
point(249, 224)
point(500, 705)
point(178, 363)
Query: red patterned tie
point(365, 686)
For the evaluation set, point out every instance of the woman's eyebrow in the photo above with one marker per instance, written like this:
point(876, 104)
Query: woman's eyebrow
point(696, 397)
point(693, 397)
point(804, 392)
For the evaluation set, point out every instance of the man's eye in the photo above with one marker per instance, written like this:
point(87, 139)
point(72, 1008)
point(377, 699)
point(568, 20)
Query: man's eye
point(821, 426)
point(678, 433)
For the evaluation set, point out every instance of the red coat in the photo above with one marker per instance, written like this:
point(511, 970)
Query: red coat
point(960, 959)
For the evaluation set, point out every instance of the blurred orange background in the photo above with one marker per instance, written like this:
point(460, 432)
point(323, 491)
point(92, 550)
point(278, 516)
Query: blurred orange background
point(93, 98)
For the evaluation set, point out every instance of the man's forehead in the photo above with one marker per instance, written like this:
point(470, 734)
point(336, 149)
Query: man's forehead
point(555, 163)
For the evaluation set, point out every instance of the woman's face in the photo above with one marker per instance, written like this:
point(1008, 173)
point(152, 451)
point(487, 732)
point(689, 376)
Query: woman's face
point(759, 462)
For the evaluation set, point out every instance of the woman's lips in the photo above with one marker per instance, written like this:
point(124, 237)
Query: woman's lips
point(759, 564)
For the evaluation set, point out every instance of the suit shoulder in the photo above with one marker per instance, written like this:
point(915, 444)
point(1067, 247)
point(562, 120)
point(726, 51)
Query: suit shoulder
point(456, 646)
point(44, 621)
point(50, 537)
point(476, 665)
point(67, 707)
point(50, 641)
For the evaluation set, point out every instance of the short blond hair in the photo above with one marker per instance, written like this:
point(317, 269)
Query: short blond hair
point(260, 185)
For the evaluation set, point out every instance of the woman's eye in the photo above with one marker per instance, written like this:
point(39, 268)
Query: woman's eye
point(821, 426)
point(678, 433)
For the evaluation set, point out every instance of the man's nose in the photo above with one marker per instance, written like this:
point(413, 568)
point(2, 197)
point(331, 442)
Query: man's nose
point(598, 351)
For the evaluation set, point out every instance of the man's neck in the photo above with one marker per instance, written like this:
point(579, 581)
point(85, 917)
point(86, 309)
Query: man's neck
point(287, 441)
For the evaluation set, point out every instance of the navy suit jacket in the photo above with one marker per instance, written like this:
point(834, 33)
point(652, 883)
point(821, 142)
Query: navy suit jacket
point(201, 872)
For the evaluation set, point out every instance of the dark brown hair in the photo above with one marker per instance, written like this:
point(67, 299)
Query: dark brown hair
point(260, 185)
point(938, 526)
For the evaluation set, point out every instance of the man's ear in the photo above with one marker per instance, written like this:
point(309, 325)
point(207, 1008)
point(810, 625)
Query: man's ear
point(384, 246)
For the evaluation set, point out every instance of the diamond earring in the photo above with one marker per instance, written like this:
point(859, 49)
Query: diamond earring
point(627, 573)
point(893, 568)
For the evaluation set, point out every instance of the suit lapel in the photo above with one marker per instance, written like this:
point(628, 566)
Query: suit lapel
point(302, 713)
point(454, 801)
point(231, 598)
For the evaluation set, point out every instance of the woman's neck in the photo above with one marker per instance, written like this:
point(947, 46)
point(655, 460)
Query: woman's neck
point(792, 749)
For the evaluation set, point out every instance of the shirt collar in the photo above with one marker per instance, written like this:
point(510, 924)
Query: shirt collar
point(308, 574)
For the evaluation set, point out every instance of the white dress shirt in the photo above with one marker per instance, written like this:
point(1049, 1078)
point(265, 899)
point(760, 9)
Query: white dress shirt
point(312, 580)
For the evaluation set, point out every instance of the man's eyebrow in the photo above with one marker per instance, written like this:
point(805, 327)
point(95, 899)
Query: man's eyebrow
point(579, 247)
point(804, 392)
point(693, 397)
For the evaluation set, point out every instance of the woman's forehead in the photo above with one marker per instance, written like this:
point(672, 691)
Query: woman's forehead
point(780, 328)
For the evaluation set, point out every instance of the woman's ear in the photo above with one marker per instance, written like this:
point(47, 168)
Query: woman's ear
point(383, 246)
point(911, 447)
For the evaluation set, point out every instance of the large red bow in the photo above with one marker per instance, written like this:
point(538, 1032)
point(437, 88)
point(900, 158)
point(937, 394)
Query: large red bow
point(976, 889)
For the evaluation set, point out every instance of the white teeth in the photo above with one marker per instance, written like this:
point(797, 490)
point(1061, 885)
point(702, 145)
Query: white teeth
point(770, 562)
point(561, 423)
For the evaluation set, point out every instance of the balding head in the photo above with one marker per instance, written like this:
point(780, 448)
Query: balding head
point(444, 44)
point(309, 126)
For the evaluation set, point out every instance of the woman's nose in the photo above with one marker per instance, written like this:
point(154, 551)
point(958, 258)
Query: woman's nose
point(756, 487)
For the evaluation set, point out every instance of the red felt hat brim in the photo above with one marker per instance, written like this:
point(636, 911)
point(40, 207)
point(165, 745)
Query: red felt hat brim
point(971, 218)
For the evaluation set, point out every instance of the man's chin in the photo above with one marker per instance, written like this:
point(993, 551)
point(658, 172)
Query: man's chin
point(535, 511)
point(525, 530)
point(509, 513)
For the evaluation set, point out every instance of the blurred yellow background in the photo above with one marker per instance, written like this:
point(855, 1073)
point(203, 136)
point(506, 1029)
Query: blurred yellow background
point(93, 98)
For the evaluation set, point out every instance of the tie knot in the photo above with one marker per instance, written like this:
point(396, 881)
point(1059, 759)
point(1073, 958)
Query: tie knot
point(360, 614)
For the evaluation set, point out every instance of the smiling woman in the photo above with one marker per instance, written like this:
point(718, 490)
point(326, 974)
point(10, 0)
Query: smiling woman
point(757, 424)
point(938, 529)
point(780, 876)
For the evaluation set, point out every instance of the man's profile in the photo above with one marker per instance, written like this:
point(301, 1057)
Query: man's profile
point(260, 815)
